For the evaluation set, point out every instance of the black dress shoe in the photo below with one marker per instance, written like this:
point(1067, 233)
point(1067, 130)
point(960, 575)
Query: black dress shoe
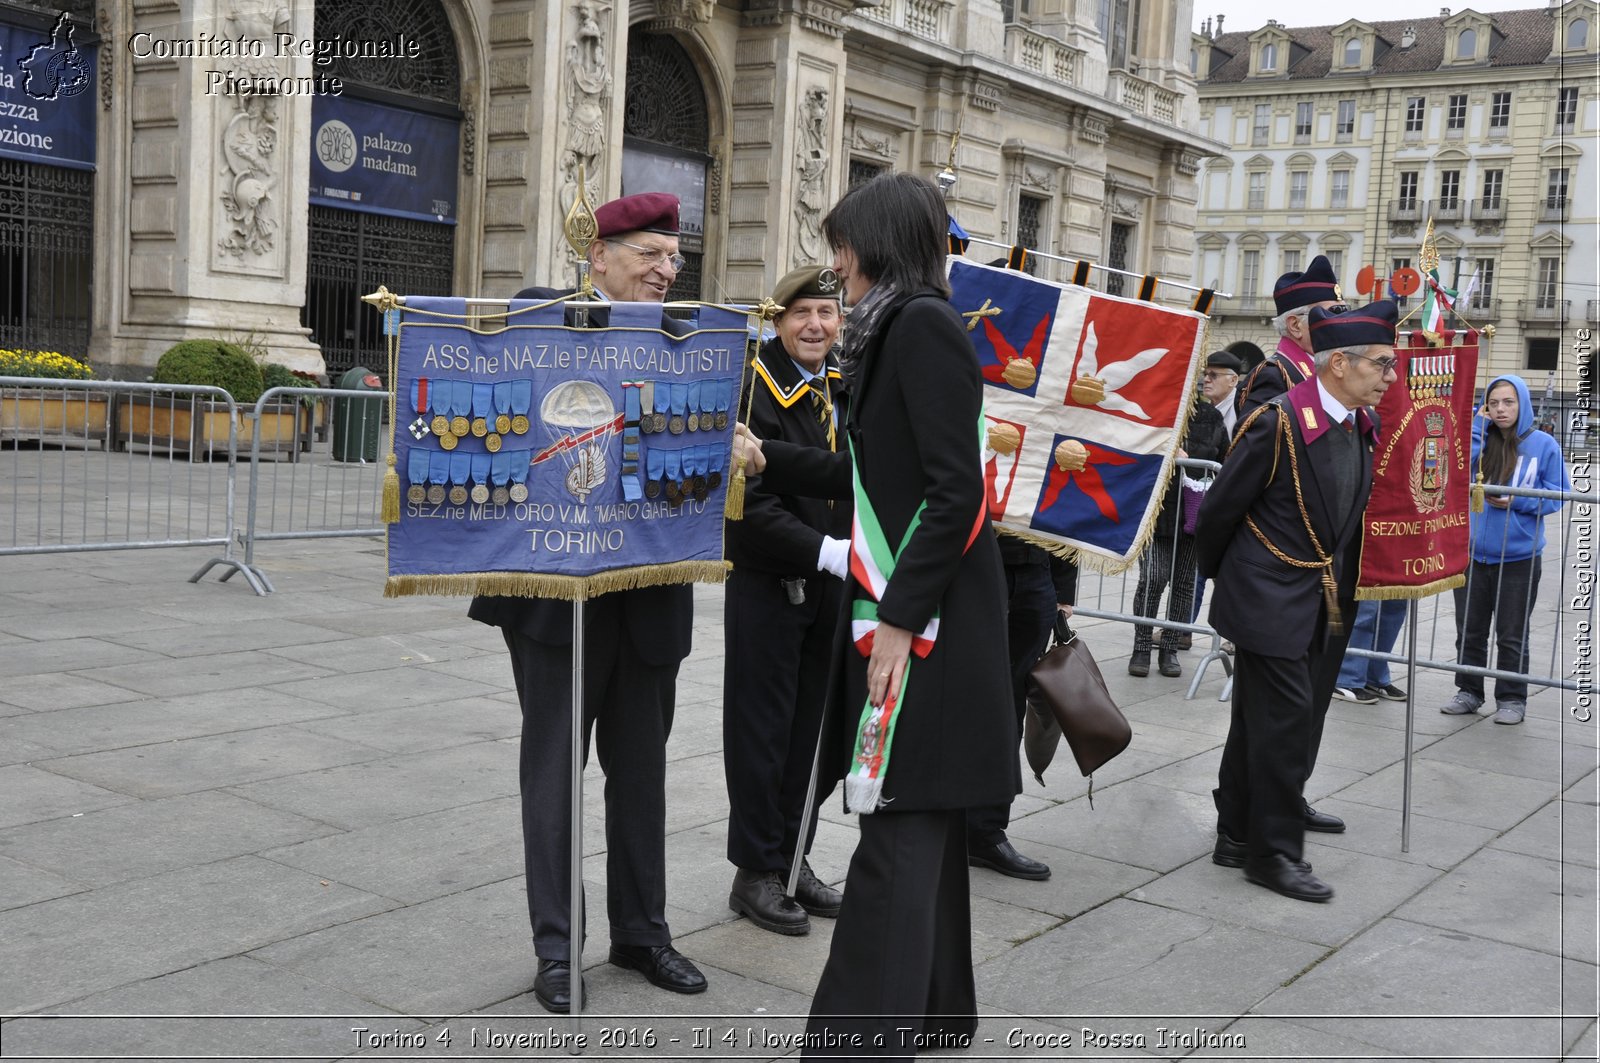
point(662, 966)
point(1231, 852)
point(1323, 823)
point(1004, 858)
point(1139, 663)
point(1281, 875)
point(1169, 663)
point(759, 897)
point(816, 896)
point(552, 986)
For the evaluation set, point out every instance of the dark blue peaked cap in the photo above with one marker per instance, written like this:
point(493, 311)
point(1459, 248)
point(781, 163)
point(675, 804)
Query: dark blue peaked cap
point(1334, 329)
point(1316, 285)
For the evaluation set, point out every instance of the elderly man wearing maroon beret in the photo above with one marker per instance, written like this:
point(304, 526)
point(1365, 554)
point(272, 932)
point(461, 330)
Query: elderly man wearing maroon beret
point(634, 642)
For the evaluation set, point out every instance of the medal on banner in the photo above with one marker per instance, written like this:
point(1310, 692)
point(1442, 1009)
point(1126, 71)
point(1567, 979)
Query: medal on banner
point(500, 474)
point(482, 408)
point(417, 473)
point(655, 469)
point(460, 406)
point(630, 442)
point(663, 402)
point(460, 469)
point(502, 407)
point(692, 422)
point(674, 470)
point(439, 403)
point(492, 442)
point(480, 478)
point(521, 403)
point(699, 463)
point(724, 399)
point(438, 473)
point(647, 400)
point(519, 470)
point(680, 400)
point(714, 477)
point(419, 406)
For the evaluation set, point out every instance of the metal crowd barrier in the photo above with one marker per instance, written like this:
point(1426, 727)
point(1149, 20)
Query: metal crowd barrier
point(1561, 583)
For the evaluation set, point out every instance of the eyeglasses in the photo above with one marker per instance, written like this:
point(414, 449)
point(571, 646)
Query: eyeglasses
point(1215, 374)
point(1385, 365)
point(654, 256)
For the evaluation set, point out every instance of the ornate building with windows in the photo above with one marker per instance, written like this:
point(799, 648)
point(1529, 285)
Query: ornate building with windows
point(1345, 140)
point(434, 146)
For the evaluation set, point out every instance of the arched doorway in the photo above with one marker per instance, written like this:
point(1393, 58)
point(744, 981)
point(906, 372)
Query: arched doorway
point(666, 142)
point(385, 158)
point(48, 74)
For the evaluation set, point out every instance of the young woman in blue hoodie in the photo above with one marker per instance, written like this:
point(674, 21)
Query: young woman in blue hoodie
point(1507, 540)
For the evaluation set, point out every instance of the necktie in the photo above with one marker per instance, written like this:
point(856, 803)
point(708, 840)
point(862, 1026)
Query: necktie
point(1349, 422)
point(822, 406)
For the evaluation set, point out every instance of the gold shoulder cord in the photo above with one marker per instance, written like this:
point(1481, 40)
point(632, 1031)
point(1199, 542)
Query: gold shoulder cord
point(1330, 588)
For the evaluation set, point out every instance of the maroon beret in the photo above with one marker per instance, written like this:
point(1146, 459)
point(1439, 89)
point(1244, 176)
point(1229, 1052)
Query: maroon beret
point(647, 212)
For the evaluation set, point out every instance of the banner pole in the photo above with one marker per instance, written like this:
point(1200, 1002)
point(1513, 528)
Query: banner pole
point(575, 854)
point(1411, 724)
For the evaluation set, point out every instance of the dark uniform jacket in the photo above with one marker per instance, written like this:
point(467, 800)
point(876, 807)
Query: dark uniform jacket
point(658, 620)
point(1262, 604)
point(782, 534)
point(1284, 368)
point(915, 402)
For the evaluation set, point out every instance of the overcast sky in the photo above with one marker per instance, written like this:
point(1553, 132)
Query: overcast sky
point(1245, 16)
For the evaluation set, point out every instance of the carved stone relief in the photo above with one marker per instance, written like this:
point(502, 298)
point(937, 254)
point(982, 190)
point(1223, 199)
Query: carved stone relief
point(1123, 204)
point(869, 143)
point(1037, 177)
point(469, 130)
point(588, 101)
point(102, 24)
point(251, 211)
point(1092, 129)
point(812, 160)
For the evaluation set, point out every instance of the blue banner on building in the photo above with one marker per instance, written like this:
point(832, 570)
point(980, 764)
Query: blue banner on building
point(561, 462)
point(383, 160)
point(47, 96)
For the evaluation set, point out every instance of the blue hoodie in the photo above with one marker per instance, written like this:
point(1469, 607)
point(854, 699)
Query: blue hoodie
point(1517, 533)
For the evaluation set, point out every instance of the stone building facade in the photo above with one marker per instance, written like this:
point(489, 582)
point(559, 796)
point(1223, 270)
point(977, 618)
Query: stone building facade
point(1345, 140)
point(212, 212)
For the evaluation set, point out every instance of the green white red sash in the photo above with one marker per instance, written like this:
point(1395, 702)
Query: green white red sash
point(872, 563)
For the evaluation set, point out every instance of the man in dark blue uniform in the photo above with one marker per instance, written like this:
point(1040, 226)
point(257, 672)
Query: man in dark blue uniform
point(1280, 533)
point(790, 556)
point(1294, 296)
point(634, 642)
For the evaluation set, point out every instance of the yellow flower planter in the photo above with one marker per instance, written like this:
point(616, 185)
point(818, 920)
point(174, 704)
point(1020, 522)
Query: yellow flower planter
point(199, 427)
point(55, 415)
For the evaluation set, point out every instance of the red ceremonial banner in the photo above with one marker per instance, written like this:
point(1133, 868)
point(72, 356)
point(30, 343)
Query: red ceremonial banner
point(1417, 519)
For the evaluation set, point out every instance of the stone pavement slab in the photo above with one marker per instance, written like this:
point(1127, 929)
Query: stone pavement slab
point(1562, 830)
point(1134, 823)
point(145, 720)
point(22, 885)
point(34, 794)
point(1453, 791)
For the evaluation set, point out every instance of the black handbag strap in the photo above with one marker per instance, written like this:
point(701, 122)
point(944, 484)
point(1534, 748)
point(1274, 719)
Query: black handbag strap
point(1063, 630)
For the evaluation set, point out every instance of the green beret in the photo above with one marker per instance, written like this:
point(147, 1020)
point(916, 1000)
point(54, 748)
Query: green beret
point(807, 282)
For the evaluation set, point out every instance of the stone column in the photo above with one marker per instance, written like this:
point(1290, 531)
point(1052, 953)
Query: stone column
point(787, 163)
point(215, 231)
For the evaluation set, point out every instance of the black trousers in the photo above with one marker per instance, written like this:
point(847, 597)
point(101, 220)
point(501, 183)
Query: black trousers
point(775, 676)
point(1270, 749)
point(1165, 562)
point(1502, 596)
point(900, 968)
point(629, 705)
point(1030, 614)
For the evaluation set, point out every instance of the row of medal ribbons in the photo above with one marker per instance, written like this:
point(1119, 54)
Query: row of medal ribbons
point(678, 407)
point(688, 472)
point(435, 476)
point(451, 410)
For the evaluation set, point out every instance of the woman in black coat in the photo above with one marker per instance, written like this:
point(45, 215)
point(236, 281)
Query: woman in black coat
point(926, 731)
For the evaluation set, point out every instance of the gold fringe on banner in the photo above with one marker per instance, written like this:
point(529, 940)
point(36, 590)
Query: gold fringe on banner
point(1394, 594)
point(564, 588)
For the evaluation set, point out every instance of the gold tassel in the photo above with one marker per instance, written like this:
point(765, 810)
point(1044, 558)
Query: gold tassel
point(733, 508)
point(1477, 494)
point(1330, 596)
point(390, 512)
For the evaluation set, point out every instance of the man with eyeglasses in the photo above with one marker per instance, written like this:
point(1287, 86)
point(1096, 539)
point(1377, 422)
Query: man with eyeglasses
point(1280, 533)
point(1294, 296)
point(634, 642)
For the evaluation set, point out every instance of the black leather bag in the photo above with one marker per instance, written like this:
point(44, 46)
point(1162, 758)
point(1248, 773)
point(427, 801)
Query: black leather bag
point(1068, 696)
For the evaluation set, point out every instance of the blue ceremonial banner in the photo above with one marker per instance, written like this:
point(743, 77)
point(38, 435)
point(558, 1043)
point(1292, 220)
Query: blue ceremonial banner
point(383, 160)
point(542, 459)
point(47, 97)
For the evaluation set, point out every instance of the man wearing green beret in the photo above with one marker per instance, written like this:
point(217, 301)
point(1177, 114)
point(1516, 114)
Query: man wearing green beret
point(790, 556)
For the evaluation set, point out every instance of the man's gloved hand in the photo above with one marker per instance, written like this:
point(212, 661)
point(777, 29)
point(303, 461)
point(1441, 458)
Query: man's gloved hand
point(834, 557)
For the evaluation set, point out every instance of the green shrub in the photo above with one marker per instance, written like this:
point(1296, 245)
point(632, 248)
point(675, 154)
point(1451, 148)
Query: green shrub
point(274, 375)
point(213, 363)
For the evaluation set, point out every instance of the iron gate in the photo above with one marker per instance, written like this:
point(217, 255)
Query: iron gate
point(46, 256)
